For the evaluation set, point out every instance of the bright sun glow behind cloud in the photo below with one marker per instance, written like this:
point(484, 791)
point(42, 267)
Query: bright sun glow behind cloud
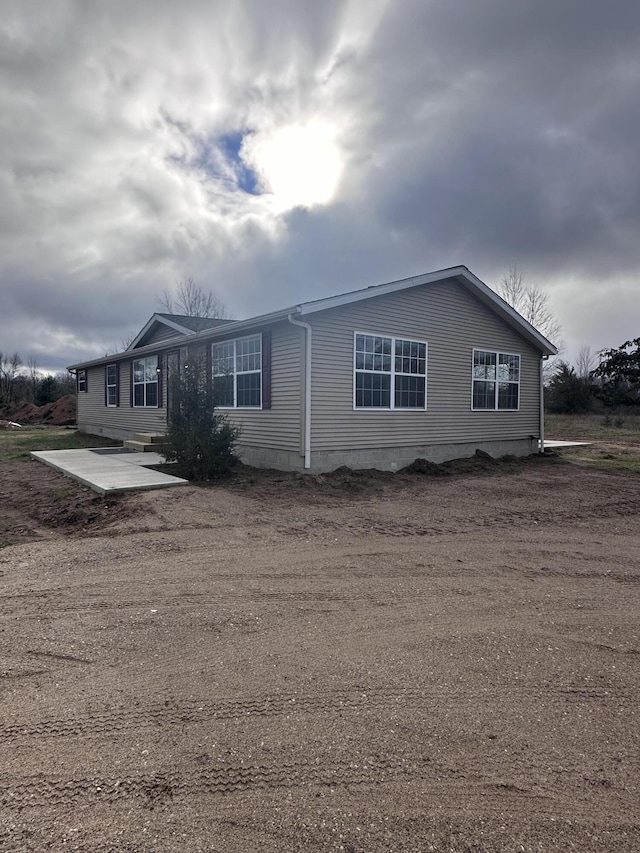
point(299, 165)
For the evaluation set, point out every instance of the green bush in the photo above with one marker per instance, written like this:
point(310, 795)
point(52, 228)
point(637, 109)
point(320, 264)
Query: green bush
point(199, 438)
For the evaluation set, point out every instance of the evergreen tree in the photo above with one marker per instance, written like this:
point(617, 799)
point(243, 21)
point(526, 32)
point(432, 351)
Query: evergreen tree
point(199, 438)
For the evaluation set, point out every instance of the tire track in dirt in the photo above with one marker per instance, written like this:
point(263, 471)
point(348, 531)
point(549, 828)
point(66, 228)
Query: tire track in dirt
point(39, 790)
point(155, 790)
point(58, 603)
point(168, 714)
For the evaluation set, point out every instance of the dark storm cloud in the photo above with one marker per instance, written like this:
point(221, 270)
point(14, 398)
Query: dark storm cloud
point(516, 128)
point(485, 133)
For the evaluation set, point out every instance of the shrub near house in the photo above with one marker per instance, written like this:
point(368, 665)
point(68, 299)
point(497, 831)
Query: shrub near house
point(199, 437)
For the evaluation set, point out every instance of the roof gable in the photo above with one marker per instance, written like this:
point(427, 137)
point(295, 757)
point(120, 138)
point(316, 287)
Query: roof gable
point(172, 325)
point(461, 274)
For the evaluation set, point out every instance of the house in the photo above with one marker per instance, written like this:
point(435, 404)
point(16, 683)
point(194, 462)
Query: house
point(434, 366)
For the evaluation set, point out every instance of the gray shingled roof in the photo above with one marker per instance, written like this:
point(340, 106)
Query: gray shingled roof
point(196, 324)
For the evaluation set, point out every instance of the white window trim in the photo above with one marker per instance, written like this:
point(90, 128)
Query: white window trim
point(113, 385)
point(392, 396)
point(497, 354)
point(145, 405)
point(82, 378)
point(236, 373)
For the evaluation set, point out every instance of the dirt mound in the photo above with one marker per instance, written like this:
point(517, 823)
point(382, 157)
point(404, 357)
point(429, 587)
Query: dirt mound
point(423, 466)
point(61, 412)
point(480, 461)
point(24, 414)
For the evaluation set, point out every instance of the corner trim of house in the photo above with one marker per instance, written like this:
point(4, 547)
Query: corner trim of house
point(307, 387)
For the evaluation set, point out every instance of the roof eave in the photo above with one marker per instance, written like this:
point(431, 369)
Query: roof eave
point(509, 314)
point(461, 273)
point(157, 318)
point(205, 334)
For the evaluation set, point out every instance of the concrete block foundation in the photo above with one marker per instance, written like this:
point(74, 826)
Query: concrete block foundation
point(382, 458)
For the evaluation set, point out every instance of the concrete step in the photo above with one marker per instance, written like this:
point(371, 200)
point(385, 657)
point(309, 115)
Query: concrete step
point(142, 446)
point(149, 437)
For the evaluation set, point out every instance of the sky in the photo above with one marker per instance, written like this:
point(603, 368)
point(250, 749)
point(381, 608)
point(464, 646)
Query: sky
point(283, 151)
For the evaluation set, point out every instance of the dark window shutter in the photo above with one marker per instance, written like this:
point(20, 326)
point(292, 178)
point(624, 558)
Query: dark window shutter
point(106, 376)
point(118, 383)
point(159, 375)
point(131, 383)
point(266, 370)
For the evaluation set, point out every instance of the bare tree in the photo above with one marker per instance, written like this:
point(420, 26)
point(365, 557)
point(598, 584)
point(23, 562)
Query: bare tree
point(190, 299)
point(9, 371)
point(532, 303)
point(585, 362)
point(34, 375)
point(126, 341)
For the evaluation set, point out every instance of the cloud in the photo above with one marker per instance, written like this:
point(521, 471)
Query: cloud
point(488, 134)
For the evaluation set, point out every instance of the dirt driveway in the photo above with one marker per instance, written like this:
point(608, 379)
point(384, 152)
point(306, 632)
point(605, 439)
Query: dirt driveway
point(358, 664)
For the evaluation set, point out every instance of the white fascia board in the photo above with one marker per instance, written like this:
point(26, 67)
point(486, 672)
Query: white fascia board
point(158, 319)
point(484, 293)
point(510, 314)
point(229, 330)
point(377, 290)
point(463, 274)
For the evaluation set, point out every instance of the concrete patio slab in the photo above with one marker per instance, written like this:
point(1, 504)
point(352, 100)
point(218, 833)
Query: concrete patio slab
point(111, 472)
point(557, 445)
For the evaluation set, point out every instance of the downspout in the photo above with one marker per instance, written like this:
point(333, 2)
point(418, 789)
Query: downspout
point(541, 440)
point(307, 388)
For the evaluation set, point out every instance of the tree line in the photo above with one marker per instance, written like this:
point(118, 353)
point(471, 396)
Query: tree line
point(606, 379)
point(614, 383)
point(24, 382)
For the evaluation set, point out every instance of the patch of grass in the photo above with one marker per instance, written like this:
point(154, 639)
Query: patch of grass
point(17, 444)
point(615, 437)
point(605, 459)
point(613, 462)
point(594, 427)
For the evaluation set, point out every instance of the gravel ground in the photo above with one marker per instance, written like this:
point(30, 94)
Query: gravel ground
point(358, 663)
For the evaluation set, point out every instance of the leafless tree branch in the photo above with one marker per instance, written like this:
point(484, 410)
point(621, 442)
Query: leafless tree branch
point(191, 299)
point(532, 303)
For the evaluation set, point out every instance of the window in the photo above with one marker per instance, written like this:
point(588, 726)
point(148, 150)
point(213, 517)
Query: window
point(389, 373)
point(81, 381)
point(236, 368)
point(496, 380)
point(145, 381)
point(111, 385)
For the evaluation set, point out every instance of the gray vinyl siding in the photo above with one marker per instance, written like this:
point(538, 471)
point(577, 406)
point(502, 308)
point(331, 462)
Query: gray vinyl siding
point(280, 427)
point(452, 322)
point(92, 410)
point(160, 334)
